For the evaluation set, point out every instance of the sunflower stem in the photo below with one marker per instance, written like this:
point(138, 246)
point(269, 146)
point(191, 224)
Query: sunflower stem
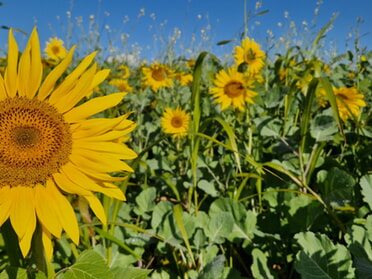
point(11, 245)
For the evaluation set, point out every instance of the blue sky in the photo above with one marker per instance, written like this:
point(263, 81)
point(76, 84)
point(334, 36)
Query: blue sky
point(218, 19)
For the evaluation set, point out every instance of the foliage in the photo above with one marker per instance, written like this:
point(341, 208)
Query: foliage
point(282, 189)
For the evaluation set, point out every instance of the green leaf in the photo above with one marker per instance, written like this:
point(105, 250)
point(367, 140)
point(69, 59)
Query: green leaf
point(214, 269)
point(366, 185)
point(336, 186)
point(89, 265)
point(268, 126)
point(145, 201)
point(208, 187)
point(178, 212)
point(14, 273)
point(130, 272)
point(220, 227)
point(321, 259)
point(259, 266)
point(228, 205)
point(359, 241)
point(323, 127)
point(160, 210)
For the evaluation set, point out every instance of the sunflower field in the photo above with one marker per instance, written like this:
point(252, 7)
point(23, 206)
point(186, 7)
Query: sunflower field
point(196, 167)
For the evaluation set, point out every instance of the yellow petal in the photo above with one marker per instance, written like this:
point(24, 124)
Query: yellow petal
point(68, 186)
point(3, 93)
point(117, 149)
point(10, 76)
point(22, 215)
point(47, 244)
point(5, 204)
point(30, 69)
point(98, 79)
point(65, 212)
point(100, 176)
point(99, 162)
point(95, 126)
point(97, 208)
point(25, 242)
point(113, 191)
point(93, 107)
point(46, 211)
point(50, 81)
point(77, 93)
point(70, 81)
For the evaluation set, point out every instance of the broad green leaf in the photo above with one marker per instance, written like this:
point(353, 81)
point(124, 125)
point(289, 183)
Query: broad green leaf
point(220, 227)
point(208, 187)
point(259, 266)
point(160, 210)
point(366, 185)
point(14, 273)
point(268, 126)
point(359, 241)
point(145, 201)
point(89, 265)
point(336, 186)
point(214, 269)
point(321, 259)
point(228, 205)
point(323, 127)
point(130, 272)
point(244, 230)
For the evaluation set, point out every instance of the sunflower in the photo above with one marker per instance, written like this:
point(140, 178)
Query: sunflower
point(54, 49)
point(250, 53)
point(124, 71)
point(175, 122)
point(231, 88)
point(184, 78)
point(121, 84)
point(348, 100)
point(157, 76)
point(50, 147)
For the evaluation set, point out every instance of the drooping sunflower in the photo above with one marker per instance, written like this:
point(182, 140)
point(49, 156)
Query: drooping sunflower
point(232, 88)
point(54, 49)
point(121, 84)
point(157, 76)
point(175, 122)
point(51, 147)
point(250, 53)
point(348, 100)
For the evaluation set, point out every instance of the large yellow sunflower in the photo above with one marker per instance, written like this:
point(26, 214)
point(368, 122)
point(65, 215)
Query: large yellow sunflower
point(157, 76)
point(54, 49)
point(175, 122)
point(250, 52)
point(51, 147)
point(232, 88)
point(348, 100)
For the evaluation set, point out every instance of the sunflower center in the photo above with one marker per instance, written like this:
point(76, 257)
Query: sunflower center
point(250, 56)
point(56, 50)
point(158, 74)
point(176, 122)
point(26, 136)
point(35, 141)
point(234, 89)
